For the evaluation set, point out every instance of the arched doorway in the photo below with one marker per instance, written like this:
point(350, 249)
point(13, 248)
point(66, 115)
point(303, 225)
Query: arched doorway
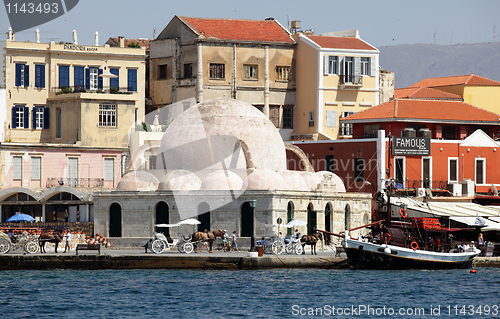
point(115, 220)
point(247, 212)
point(311, 219)
point(289, 216)
point(328, 223)
point(162, 217)
point(204, 216)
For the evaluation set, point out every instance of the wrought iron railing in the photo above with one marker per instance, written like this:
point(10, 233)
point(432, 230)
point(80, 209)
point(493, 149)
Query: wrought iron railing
point(76, 182)
point(432, 184)
point(104, 90)
point(352, 79)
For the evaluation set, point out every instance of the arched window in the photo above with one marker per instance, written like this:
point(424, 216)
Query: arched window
point(328, 222)
point(204, 216)
point(311, 220)
point(162, 217)
point(247, 217)
point(115, 220)
point(289, 216)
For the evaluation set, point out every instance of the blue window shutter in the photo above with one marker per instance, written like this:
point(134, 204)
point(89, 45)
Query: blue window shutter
point(18, 74)
point(132, 80)
point(38, 76)
point(46, 117)
point(42, 75)
point(26, 117)
point(33, 113)
point(99, 79)
point(114, 82)
point(63, 76)
point(87, 78)
point(79, 77)
point(26, 75)
point(14, 117)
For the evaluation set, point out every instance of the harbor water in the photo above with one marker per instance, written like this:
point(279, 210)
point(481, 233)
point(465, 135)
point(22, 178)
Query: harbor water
point(276, 293)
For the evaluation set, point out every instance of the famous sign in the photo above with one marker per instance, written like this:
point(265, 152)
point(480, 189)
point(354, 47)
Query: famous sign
point(411, 146)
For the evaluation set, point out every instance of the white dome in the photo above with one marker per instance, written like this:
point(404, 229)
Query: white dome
point(337, 183)
point(294, 180)
point(311, 179)
point(180, 180)
point(264, 179)
point(222, 180)
point(209, 132)
point(138, 181)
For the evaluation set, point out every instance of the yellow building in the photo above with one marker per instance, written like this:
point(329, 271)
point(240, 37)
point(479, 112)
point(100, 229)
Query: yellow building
point(475, 90)
point(337, 75)
point(248, 60)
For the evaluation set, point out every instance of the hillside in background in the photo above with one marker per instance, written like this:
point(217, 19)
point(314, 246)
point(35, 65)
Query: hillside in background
point(414, 62)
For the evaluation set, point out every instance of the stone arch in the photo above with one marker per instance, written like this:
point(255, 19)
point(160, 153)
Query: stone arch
point(162, 216)
point(311, 219)
point(115, 220)
point(204, 216)
point(247, 213)
point(289, 215)
point(301, 155)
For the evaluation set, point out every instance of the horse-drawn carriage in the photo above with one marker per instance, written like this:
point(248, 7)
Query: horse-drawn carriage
point(28, 242)
point(160, 243)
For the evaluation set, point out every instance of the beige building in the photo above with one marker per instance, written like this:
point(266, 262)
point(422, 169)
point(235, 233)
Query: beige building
point(249, 60)
point(337, 75)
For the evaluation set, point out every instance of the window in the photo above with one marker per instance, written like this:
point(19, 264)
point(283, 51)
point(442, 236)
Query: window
point(332, 64)
point(348, 69)
point(59, 123)
point(92, 79)
point(40, 117)
point(17, 169)
point(288, 117)
point(311, 118)
point(114, 82)
point(188, 70)
point(365, 66)
point(22, 75)
point(73, 171)
point(449, 132)
point(371, 130)
point(152, 162)
point(250, 72)
point(330, 163)
point(132, 80)
point(453, 169)
point(345, 128)
point(480, 171)
point(40, 75)
point(162, 71)
point(63, 76)
point(79, 78)
point(282, 73)
point(36, 165)
point(20, 116)
point(109, 169)
point(399, 169)
point(274, 115)
point(107, 115)
point(217, 71)
point(359, 167)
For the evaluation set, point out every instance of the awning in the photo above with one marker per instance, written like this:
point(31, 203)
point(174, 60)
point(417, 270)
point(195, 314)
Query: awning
point(486, 224)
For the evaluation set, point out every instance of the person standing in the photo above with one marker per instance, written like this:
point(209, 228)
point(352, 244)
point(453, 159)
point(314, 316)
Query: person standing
point(234, 242)
point(67, 235)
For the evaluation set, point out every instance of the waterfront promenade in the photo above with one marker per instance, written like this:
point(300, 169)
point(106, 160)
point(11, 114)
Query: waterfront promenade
point(136, 258)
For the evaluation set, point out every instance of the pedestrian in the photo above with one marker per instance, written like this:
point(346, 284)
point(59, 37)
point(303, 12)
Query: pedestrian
point(234, 242)
point(225, 244)
point(204, 243)
point(67, 235)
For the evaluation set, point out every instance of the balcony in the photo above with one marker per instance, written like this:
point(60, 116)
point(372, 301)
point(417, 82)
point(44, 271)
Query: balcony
point(76, 182)
point(105, 90)
point(348, 80)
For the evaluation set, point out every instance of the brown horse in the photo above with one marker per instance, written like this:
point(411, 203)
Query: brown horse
point(48, 237)
point(311, 240)
point(209, 237)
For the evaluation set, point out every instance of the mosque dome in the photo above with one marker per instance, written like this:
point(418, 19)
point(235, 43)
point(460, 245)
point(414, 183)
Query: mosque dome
point(222, 180)
point(311, 179)
point(336, 182)
point(138, 181)
point(222, 131)
point(264, 179)
point(180, 180)
point(294, 180)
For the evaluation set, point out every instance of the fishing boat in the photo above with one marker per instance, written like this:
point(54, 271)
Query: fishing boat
point(407, 242)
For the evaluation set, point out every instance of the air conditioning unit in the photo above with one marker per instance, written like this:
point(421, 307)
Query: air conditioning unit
point(420, 192)
point(455, 189)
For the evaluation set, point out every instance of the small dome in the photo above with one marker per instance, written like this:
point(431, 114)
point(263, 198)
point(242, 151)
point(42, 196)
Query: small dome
point(294, 180)
point(222, 180)
point(138, 181)
point(311, 179)
point(264, 179)
point(336, 182)
point(180, 180)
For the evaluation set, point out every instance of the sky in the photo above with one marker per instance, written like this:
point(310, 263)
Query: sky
point(380, 22)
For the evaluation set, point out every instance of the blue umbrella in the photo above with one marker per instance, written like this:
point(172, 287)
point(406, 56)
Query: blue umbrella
point(20, 218)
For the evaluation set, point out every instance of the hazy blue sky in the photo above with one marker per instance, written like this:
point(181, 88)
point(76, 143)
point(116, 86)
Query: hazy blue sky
point(382, 22)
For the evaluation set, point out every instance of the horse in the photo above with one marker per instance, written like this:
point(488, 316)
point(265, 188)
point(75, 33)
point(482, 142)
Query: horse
point(206, 237)
point(47, 237)
point(311, 240)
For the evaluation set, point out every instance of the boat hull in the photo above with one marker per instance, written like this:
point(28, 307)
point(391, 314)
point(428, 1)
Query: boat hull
point(363, 255)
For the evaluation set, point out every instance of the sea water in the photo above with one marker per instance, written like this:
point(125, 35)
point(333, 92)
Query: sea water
point(277, 293)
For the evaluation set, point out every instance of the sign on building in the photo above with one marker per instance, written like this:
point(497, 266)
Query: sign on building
point(411, 146)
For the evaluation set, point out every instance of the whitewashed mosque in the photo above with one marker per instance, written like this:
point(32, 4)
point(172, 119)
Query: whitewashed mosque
point(223, 162)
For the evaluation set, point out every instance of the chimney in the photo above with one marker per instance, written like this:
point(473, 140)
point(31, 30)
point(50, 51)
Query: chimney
point(122, 41)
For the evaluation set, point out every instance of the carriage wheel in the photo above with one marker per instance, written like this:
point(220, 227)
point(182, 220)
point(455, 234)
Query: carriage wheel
point(268, 249)
point(188, 248)
point(158, 246)
point(278, 246)
point(4, 246)
point(298, 249)
point(31, 247)
point(289, 249)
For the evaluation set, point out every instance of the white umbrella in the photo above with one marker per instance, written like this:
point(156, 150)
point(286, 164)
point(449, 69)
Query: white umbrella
point(295, 223)
point(189, 221)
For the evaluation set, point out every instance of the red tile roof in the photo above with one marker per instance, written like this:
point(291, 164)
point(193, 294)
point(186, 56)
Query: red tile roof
point(239, 30)
point(469, 79)
point(426, 110)
point(144, 43)
point(424, 93)
point(340, 43)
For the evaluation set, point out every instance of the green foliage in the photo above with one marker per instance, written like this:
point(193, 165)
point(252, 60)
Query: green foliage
point(65, 90)
point(134, 45)
point(113, 90)
point(146, 127)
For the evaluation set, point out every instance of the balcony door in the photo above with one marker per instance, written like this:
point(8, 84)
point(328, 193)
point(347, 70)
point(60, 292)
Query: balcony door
point(73, 171)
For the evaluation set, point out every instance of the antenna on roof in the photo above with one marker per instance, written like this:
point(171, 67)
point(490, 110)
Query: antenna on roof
point(494, 34)
point(451, 37)
point(435, 38)
point(154, 34)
